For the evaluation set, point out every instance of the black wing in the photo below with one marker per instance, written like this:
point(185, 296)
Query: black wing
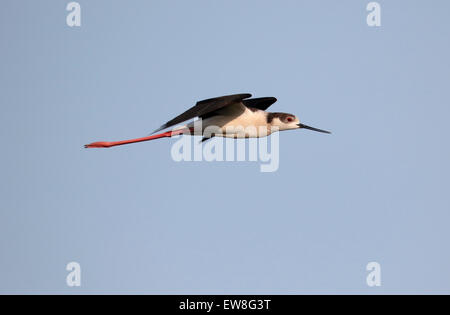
point(261, 103)
point(204, 107)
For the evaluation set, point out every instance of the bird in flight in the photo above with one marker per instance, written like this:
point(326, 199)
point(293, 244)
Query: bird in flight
point(233, 116)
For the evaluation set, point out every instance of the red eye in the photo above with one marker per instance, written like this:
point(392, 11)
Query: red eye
point(290, 119)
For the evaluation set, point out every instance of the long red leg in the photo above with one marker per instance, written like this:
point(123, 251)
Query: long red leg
point(105, 144)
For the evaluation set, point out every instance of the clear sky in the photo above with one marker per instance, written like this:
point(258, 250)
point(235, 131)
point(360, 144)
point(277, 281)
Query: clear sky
point(137, 221)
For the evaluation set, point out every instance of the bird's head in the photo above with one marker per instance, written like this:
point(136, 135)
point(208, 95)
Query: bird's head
point(284, 121)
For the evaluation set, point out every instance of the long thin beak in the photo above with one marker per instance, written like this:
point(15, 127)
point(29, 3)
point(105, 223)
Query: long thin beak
point(312, 128)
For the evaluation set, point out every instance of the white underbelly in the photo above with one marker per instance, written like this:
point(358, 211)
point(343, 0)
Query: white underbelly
point(248, 125)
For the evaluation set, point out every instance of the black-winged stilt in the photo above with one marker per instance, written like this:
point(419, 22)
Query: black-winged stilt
point(235, 116)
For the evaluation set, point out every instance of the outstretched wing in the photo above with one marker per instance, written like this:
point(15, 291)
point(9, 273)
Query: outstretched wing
point(204, 107)
point(261, 103)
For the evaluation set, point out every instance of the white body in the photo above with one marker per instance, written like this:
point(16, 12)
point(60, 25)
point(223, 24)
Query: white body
point(235, 121)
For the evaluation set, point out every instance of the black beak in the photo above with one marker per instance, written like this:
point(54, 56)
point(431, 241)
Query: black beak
point(312, 128)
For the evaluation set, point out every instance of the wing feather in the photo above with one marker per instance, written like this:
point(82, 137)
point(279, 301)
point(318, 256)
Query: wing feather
point(261, 103)
point(205, 107)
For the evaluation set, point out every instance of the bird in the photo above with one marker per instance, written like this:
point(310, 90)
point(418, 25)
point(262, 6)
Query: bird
point(232, 116)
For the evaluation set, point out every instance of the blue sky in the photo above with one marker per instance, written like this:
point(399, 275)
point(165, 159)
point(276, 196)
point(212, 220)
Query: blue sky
point(136, 221)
